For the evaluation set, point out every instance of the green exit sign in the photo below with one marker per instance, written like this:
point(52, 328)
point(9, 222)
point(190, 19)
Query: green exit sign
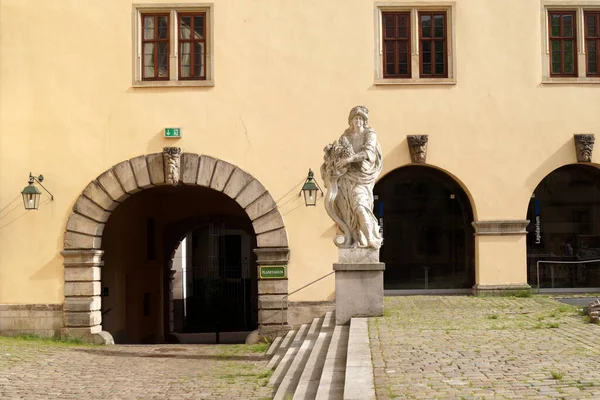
point(173, 132)
point(272, 271)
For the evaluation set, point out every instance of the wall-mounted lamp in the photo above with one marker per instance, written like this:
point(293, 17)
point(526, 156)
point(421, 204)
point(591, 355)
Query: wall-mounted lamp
point(310, 189)
point(31, 194)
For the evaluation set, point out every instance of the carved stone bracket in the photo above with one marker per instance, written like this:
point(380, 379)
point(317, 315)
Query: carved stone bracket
point(417, 145)
point(172, 162)
point(500, 228)
point(584, 145)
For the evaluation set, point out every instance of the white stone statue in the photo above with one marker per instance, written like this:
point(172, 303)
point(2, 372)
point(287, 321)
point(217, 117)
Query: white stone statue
point(351, 165)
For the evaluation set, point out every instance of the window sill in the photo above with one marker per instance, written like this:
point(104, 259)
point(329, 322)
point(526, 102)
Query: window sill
point(159, 84)
point(417, 81)
point(577, 80)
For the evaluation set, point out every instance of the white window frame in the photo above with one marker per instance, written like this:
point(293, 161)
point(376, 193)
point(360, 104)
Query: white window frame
point(172, 9)
point(579, 7)
point(414, 7)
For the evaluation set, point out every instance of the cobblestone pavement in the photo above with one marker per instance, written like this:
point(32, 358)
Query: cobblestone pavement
point(480, 348)
point(34, 370)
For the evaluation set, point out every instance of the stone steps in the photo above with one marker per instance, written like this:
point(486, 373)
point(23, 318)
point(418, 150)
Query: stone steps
point(323, 361)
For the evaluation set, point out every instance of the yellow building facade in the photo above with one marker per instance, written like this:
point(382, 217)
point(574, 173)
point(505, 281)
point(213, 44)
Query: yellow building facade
point(257, 89)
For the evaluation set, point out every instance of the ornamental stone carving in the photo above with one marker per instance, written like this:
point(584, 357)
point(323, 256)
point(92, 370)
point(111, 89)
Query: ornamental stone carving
point(351, 165)
point(172, 161)
point(417, 145)
point(584, 145)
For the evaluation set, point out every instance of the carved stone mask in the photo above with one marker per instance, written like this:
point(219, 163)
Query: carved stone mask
point(584, 145)
point(417, 145)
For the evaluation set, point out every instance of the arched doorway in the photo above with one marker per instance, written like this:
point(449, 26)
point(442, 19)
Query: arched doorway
point(564, 215)
point(428, 238)
point(152, 294)
point(180, 193)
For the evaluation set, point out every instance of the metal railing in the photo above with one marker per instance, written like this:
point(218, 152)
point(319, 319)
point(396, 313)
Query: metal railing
point(297, 290)
point(552, 269)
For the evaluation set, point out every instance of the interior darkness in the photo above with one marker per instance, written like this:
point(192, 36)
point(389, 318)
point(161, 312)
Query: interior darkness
point(564, 226)
point(428, 237)
point(154, 291)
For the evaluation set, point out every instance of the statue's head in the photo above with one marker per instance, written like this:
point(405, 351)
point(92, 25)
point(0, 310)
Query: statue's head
point(417, 145)
point(584, 145)
point(358, 117)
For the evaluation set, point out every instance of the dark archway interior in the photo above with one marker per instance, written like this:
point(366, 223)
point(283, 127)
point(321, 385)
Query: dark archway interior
point(428, 237)
point(155, 290)
point(564, 215)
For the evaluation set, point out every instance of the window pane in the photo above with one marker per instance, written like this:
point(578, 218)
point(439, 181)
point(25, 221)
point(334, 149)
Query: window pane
point(556, 52)
point(567, 25)
point(426, 26)
point(569, 57)
point(185, 56)
point(403, 26)
point(199, 27)
point(592, 57)
point(555, 44)
point(390, 61)
point(163, 60)
point(198, 59)
point(184, 29)
point(388, 23)
point(555, 24)
point(590, 25)
point(163, 29)
point(426, 54)
point(148, 27)
point(438, 21)
point(439, 57)
point(149, 60)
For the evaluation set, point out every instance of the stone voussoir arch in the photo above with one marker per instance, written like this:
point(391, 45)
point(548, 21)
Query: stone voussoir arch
point(85, 226)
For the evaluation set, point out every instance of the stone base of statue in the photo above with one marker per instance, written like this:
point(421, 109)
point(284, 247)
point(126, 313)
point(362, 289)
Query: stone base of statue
point(358, 284)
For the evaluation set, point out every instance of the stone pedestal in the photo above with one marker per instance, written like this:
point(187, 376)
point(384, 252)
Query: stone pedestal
point(358, 285)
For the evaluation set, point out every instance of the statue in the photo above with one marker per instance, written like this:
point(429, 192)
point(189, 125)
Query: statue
point(584, 145)
point(417, 145)
point(351, 165)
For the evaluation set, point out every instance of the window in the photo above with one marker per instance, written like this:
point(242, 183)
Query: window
point(432, 31)
point(563, 43)
point(592, 42)
point(396, 44)
point(415, 43)
point(572, 35)
point(173, 45)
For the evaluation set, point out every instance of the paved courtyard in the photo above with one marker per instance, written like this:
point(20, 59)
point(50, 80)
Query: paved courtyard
point(424, 347)
point(34, 370)
point(477, 348)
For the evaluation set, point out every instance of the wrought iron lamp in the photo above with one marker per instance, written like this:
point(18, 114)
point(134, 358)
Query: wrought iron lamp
point(310, 190)
point(31, 194)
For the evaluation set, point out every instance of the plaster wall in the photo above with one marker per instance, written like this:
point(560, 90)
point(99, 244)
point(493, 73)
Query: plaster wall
point(286, 74)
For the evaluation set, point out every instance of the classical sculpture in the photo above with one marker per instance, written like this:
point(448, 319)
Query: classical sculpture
point(584, 145)
point(172, 160)
point(351, 165)
point(417, 145)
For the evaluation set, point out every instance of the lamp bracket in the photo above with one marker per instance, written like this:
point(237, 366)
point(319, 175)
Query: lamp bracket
point(39, 179)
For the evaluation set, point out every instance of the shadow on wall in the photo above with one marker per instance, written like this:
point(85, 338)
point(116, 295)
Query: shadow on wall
point(15, 210)
point(551, 163)
point(158, 141)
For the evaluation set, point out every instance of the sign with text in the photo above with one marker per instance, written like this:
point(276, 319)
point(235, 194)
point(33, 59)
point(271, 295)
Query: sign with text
point(172, 132)
point(273, 271)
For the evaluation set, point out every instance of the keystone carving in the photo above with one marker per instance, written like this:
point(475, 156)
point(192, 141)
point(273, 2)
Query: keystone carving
point(417, 145)
point(584, 145)
point(172, 158)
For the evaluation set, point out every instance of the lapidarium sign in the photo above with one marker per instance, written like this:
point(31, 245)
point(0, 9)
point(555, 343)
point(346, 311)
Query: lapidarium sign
point(273, 271)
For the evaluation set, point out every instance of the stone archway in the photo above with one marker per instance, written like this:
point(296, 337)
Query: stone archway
point(83, 235)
